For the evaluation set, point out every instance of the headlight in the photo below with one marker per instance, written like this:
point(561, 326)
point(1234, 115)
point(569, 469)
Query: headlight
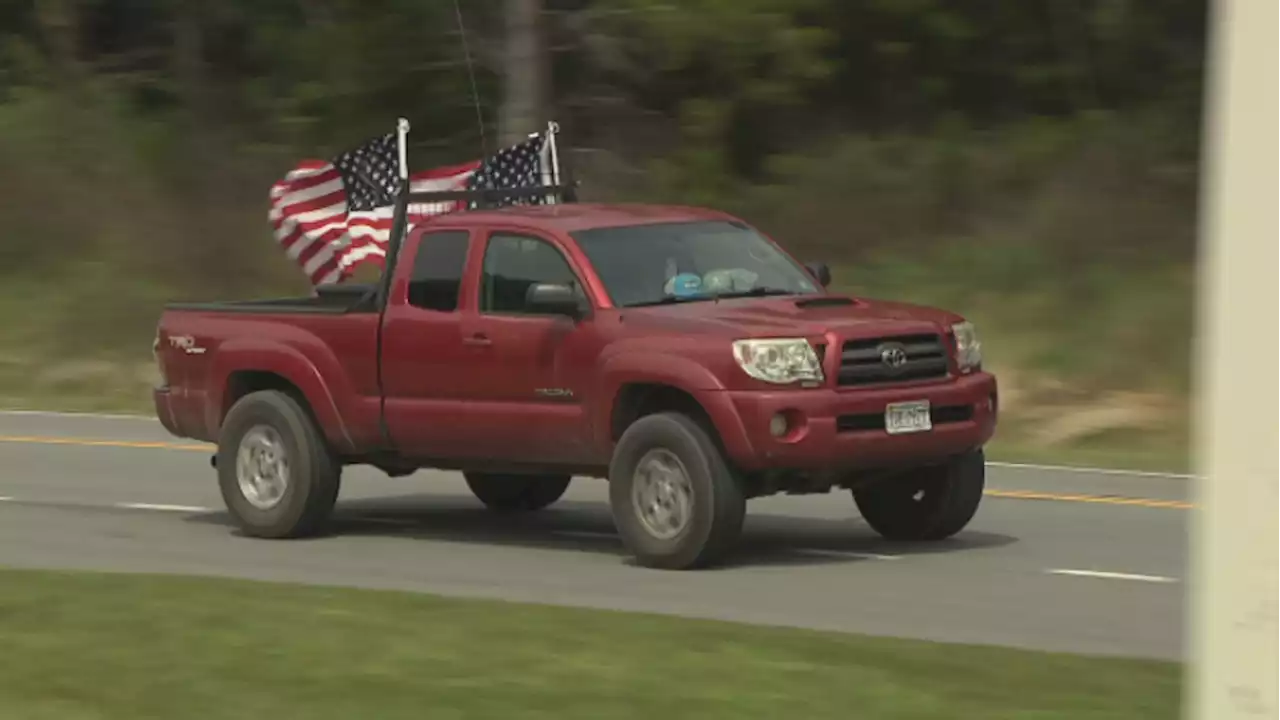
point(778, 360)
point(968, 348)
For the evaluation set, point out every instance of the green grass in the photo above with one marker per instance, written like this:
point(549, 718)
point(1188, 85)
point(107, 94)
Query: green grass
point(79, 646)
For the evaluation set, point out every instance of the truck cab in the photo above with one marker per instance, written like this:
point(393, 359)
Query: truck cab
point(677, 353)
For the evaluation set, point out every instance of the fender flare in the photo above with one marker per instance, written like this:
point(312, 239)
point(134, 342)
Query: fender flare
point(658, 368)
point(282, 360)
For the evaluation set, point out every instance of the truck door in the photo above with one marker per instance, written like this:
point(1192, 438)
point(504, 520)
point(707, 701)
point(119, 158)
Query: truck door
point(527, 396)
point(424, 360)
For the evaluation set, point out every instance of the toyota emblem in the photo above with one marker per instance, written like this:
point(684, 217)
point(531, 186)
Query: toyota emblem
point(893, 355)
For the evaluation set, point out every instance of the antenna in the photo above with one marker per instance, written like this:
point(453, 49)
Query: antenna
point(471, 73)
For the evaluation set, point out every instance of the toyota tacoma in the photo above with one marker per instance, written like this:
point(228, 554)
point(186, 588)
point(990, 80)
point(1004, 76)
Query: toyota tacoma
point(678, 353)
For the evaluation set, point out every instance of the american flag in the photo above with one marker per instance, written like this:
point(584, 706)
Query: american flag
point(526, 164)
point(333, 216)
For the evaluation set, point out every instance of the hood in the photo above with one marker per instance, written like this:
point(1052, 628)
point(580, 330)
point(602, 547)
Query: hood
point(792, 316)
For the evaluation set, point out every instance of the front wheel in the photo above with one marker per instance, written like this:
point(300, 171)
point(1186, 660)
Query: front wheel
point(675, 501)
point(516, 493)
point(926, 504)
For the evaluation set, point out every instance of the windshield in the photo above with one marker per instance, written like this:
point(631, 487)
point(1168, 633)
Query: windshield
point(689, 261)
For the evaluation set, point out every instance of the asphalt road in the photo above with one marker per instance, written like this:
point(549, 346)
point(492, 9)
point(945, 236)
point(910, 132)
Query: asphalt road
point(1076, 561)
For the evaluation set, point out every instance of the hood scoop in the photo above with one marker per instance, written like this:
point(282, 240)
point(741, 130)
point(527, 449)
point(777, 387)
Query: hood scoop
point(824, 301)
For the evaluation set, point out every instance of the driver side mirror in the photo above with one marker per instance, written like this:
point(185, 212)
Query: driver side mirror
point(820, 272)
point(553, 299)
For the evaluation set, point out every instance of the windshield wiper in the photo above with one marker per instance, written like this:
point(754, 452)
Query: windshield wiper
point(675, 299)
point(671, 300)
point(754, 292)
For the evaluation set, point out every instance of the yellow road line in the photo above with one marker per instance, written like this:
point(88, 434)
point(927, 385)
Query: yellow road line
point(1082, 498)
point(32, 440)
point(1007, 494)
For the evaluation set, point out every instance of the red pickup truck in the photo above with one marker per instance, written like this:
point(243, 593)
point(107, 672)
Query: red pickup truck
point(676, 352)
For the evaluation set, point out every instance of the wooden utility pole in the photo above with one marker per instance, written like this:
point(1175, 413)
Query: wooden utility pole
point(1233, 666)
point(523, 72)
point(60, 24)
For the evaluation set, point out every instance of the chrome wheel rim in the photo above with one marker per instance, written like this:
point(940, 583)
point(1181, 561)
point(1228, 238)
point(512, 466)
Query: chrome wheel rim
point(662, 494)
point(262, 467)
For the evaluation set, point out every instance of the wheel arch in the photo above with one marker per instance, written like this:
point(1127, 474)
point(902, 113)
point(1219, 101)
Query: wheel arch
point(711, 411)
point(242, 383)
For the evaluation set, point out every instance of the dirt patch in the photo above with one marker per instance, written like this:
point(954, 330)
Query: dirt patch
point(1058, 425)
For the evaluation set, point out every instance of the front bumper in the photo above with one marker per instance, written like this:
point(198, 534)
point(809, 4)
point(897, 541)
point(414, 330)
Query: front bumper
point(835, 430)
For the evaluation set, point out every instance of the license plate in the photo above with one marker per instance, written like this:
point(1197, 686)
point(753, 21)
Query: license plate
point(907, 417)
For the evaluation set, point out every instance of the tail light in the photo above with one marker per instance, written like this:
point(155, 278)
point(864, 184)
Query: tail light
point(159, 361)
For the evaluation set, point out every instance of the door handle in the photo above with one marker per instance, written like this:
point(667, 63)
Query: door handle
point(478, 340)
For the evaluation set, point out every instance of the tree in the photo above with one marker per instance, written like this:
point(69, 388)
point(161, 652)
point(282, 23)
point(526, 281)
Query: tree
point(524, 70)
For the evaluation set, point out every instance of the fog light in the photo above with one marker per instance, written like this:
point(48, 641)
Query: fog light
point(778, 425)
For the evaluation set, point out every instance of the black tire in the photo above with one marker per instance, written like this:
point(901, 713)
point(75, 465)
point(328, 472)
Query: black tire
point(718, 502)
point(314, 474)
point(926, 504)
point(517, 493)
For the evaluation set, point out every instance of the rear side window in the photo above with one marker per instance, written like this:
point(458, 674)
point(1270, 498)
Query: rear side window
point(437, 270)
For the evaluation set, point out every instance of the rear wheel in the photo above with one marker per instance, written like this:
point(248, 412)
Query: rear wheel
point(675, 501)
point(517, 493)
point(929, 503)
point(277, 475)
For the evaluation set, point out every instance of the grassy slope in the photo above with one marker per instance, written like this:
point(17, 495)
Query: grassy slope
point(1065, 241)
point(1061, 401)
point(1078, 383)
point(79, 646)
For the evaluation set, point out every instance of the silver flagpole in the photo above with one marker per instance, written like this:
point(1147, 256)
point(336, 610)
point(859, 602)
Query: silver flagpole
point(402, 132)
point(552, 130)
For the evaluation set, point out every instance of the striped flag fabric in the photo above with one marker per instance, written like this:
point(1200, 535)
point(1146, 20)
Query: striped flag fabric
point(332, 216)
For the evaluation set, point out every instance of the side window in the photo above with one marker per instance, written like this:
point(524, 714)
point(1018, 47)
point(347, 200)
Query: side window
point(437, 270)
point(512, 263)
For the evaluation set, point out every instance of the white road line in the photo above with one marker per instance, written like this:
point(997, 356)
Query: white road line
point(595, 535)
point(819, 552)
point(163, 508)
point(1089, 470)
point(1112, 575)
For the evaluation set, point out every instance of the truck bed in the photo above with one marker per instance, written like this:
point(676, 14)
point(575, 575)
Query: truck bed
point(328, 300)
point(325, 346)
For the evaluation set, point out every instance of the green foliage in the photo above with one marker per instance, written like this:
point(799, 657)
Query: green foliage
point(1031, 164)
point(751, 50)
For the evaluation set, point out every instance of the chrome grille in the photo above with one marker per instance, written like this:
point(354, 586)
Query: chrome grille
point(892, 359)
